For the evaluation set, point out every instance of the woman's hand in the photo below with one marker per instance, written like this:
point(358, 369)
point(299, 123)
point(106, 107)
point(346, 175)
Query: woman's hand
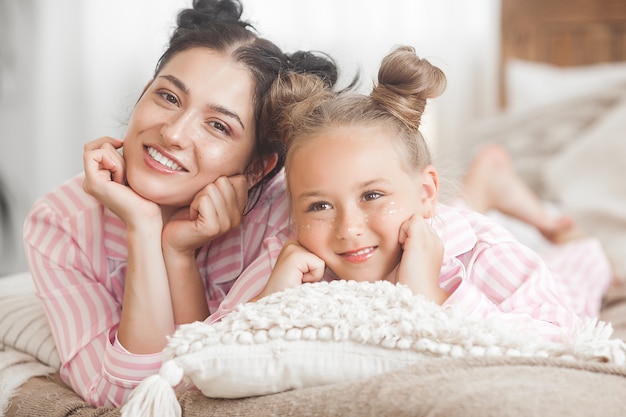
point(295, 265)
point(147, 316)
point(421, 260)
point(214, 211)
point(105, 180)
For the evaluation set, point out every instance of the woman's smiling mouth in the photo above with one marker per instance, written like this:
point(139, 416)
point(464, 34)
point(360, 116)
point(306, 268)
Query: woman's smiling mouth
point(163, 160)
point(360, 255)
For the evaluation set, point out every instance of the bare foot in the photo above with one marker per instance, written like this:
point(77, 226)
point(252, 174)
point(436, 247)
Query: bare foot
point(492, 184)
point(560, 229)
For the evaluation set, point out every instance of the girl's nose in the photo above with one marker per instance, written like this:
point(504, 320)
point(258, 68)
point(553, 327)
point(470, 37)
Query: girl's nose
point(178, 131)
point(349, 224)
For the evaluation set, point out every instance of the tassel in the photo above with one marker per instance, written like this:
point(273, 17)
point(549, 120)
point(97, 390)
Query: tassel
point(155, 396)
point(593, 339)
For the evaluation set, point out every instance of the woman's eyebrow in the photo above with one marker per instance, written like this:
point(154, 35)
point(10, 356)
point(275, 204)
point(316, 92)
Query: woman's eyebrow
point(177, 82)
point(182, 87)
point(227, 112)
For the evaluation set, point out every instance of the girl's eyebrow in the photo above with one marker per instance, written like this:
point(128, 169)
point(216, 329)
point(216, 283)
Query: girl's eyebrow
point(375, 181)
point(309, 194)
point(182, 87)
point(366, 184)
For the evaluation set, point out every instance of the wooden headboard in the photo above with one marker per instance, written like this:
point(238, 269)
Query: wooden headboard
point(562, 32)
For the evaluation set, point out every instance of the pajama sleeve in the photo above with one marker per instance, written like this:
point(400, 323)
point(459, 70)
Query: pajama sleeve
point(253, 279)
point(511, 283)
point(70, 269)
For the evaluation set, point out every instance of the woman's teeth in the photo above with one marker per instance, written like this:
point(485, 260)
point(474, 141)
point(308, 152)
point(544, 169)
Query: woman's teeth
point(160, 158)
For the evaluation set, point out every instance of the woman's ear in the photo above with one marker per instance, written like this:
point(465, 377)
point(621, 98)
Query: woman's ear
point(429, 183)
point(259, 169)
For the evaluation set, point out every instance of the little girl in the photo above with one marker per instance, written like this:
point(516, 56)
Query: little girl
point(364, 199)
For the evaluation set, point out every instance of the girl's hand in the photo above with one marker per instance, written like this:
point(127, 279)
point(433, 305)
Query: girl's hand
point(421, 260)
point(105, 180)
point(215, 210)
point(295, 265)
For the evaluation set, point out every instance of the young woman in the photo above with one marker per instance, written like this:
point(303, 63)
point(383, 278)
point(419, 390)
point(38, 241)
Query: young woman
point(160, 225)
point(365, 207)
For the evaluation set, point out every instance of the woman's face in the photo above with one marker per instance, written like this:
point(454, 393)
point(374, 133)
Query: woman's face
point(193, 124)
point(350, 194)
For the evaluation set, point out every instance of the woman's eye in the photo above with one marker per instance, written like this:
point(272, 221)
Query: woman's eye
point(219, 126)
point(169, 97)
point(372, 195)
point(319, 206)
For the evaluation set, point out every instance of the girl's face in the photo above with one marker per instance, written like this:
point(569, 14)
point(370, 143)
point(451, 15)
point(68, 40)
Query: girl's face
point(193, 123)
point(351, 192)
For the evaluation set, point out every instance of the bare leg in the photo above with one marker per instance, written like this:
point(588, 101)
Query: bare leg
point(492, 184)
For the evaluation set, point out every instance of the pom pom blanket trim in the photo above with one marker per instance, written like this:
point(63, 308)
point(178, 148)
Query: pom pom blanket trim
point(335, 331)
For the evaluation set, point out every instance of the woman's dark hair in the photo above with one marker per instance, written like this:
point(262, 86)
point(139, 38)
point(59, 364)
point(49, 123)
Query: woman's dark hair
point(217, 25)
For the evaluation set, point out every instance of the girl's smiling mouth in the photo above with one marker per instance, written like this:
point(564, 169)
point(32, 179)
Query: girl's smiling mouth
point(162, 160)
point(359, 255)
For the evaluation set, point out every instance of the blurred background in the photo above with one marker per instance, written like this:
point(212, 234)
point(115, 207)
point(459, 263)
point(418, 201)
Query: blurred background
point(70, 71)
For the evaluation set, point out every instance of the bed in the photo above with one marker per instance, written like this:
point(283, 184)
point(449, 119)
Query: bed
point(568, 143)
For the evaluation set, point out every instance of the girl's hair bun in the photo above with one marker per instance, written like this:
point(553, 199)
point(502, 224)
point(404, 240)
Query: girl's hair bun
point(316, 63)
point(405, 83)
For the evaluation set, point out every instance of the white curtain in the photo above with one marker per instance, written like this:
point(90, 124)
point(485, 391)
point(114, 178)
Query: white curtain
point(70, 70)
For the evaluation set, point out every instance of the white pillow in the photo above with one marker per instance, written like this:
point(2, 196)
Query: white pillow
point(23, 323)
point(530, 84)
point(331, 332)
point(585, 178)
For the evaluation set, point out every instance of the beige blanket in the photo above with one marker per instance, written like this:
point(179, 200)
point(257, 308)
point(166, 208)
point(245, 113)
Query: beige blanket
point(441, 387)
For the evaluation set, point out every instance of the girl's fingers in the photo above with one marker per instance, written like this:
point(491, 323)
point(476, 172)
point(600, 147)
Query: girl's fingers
point(314, 269)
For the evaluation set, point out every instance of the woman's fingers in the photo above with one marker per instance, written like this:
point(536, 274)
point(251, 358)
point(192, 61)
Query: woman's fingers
point(98, 143)
point(220, 205)
point(214, 211)
point(102, 155)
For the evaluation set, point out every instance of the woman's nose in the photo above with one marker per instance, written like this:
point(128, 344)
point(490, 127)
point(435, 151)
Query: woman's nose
point(179, 130)
point(349, 224)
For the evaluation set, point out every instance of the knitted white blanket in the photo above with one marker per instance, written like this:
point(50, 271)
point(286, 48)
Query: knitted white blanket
point(324, 333)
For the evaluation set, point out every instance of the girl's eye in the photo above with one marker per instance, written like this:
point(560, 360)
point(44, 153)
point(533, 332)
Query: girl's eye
point(372, 195)
point(319, 206)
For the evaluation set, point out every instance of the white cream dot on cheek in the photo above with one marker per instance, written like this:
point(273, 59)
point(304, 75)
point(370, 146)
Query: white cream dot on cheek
point(390, 210)
point(305, 226)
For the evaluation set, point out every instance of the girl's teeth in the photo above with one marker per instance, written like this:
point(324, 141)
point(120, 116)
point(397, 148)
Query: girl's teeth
point(160, 158)
point(362, 252)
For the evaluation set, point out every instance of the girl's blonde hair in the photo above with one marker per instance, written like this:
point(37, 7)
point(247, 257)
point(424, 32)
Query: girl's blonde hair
point(302, 106)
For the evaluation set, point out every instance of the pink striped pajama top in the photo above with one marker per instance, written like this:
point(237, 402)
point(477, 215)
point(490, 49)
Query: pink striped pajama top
point(488, 273)
point(76, 249)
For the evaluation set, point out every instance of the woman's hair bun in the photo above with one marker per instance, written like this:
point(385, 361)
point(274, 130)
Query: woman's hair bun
point(207, 11)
